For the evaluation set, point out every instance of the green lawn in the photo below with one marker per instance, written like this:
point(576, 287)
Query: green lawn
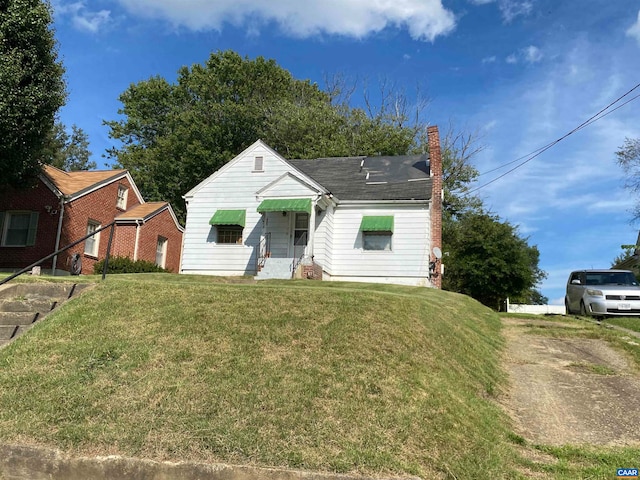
point(312, 375)
point(632, 323)
point(342, 377)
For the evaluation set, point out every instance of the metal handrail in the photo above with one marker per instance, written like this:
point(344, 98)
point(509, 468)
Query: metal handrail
point(298, 258)
point(264, 251)
point(63, 249)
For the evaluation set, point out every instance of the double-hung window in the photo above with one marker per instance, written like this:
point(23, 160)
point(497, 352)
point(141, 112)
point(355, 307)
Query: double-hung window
point(18, 229)
point(161, 251)
point(92, 243)
point(377, 232)
point(229, 225)
point(121, 202)
point(229, 234)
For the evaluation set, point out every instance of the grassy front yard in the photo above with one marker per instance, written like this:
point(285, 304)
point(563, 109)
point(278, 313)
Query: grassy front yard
point(320, 376)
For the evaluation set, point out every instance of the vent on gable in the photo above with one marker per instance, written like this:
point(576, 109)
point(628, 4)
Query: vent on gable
point(258, 164)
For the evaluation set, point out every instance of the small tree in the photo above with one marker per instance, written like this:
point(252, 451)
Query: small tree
point(31, 88)
point(489, 261)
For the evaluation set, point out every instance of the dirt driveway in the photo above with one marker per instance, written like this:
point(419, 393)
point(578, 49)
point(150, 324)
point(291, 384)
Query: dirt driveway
point(570, 390)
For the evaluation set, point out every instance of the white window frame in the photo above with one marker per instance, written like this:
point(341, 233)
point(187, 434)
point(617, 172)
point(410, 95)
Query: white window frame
point(121, 201)
point(258, 164)
point(91, 247)
point(32, 228)
point(161, 250)
point(377, 235)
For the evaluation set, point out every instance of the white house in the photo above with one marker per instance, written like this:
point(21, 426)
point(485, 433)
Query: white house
point(370, 219)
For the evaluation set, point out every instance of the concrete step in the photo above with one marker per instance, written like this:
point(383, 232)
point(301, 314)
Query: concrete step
point(22, 304)
point(41, 305)
point(48, 290)
point(275, 268)
point(17, 318)
point(7, 332)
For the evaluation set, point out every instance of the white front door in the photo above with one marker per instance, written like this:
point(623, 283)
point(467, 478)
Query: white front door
point(299, 234)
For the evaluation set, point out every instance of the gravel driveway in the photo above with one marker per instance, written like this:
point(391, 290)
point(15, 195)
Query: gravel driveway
point(570, 390)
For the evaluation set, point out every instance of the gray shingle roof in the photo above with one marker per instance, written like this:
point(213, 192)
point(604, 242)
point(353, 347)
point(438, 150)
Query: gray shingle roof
point(402, 177)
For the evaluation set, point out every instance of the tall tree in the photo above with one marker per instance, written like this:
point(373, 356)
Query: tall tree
point(68, 152)
point(31, 88)
point(629, 159)
point(174, 135)
point(458, 173)
point(489, 261)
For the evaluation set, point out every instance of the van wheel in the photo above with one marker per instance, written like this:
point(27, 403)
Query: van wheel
point(583, 309)
point(567, 307)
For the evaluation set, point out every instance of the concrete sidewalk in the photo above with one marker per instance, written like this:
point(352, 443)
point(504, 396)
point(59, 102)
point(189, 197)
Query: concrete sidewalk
point(38, 463)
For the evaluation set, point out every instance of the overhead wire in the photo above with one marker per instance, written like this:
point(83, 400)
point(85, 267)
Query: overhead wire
point(530, 156)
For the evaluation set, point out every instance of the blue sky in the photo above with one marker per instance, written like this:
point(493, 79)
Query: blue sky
point(521, 73)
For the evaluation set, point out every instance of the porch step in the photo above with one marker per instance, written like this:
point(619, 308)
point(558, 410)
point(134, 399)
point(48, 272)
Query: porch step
point(275, 268)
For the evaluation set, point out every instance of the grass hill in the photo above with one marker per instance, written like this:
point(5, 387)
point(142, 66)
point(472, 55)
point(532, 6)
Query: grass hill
point(373, 379)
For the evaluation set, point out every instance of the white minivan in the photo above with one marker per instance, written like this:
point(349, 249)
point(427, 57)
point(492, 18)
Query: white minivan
point(602, 293)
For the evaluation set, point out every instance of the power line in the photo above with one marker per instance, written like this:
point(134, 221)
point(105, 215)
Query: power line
point(594, 118)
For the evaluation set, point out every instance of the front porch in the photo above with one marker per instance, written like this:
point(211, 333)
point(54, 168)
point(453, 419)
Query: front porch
point(288, 233)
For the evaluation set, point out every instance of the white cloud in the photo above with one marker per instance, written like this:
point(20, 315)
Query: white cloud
point(530, 54)
point(491, 59)
point(424, 19)
point(634, 30)
point(510, 9)
point(81, 17)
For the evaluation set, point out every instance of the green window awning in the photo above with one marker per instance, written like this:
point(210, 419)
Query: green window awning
point(377, 223)
point(228, 217)
point(285, 205)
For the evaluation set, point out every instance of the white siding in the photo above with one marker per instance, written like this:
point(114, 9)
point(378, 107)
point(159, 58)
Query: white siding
point(323, 240)
point(234, 187)
point(287, 187)
point(409, 255)
point(337, 240)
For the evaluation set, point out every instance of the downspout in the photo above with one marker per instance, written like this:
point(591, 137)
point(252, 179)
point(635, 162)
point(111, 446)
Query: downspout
point(58, 234)
point(312, 226)
point(135, 247)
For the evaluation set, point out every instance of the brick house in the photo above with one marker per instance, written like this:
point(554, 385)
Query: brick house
point(64, 206)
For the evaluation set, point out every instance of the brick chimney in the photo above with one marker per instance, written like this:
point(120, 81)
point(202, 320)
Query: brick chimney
point(435, 167)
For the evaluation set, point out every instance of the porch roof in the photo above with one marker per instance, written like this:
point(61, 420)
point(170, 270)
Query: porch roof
point(285, 205)
point(228, 217)
point(372, 223)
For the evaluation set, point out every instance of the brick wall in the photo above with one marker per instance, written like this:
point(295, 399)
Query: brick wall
point(312, 272)
point(98, 206)
point(124, 241)
point(435, 162)
point(32, 200)
point(161, 225)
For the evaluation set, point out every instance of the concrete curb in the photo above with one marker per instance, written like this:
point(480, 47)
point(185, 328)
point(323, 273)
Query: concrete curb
point(38, 463)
